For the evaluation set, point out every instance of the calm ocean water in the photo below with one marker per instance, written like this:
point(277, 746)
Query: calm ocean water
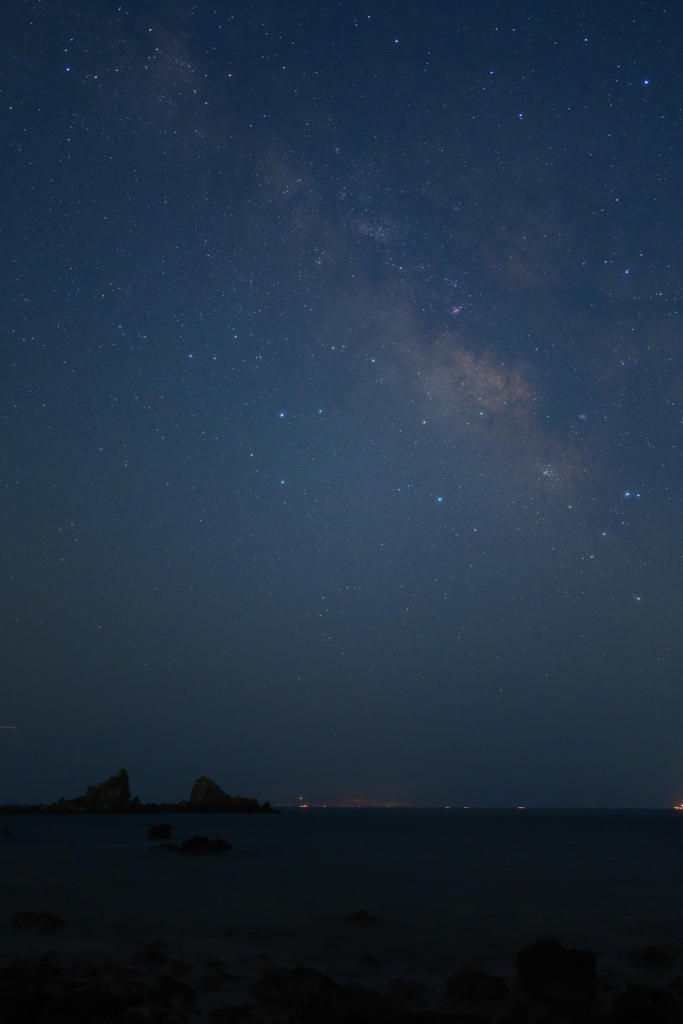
point(448, 887)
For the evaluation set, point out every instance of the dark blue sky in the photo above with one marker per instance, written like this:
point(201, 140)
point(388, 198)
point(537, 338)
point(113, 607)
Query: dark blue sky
point(342, 401)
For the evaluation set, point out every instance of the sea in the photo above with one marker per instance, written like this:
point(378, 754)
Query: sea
point(448, 887)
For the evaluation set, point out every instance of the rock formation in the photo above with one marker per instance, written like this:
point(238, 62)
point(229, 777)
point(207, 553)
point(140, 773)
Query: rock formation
point(113, 796)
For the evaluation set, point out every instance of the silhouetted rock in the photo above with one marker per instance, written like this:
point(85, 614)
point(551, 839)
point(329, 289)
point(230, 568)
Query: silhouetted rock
point(468, 983)
point(202, 844)
point(230, 1014)
point(653, 957)
point(300, 987)
point(155, 953)
point(207, 795)
point(431, 1017)
point(42, 921)
point(361, 918)
point(159, 832)
point(168, 987)
point(644, 1004)
point(550, 971)
point(112, 795)
point(311, 996)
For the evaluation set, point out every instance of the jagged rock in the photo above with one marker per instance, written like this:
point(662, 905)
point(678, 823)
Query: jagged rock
point(361, 918)
point(112, 795)
point(160, 832)
point(42, 921)
point(202, 844)
point(548, 970)
point(207, 793)
point(468, 983)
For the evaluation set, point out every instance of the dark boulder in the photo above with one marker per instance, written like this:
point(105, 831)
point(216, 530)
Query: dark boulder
point(300, 987)
point(89, 1002)
point(468, 983)
point(167, 987)
point(159, 832)
point(230, 1014)
point(311, 996)
point(28, 920)
point(155, 953)
point(644, 1004)
point(361, 918)
point(431, 1017)
point(202, 844)
point(548, 970)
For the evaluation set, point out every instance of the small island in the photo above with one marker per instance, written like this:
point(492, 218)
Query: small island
point(114, 797)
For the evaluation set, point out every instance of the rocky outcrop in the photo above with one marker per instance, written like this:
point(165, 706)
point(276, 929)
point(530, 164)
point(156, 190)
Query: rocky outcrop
point(113, 796)
point(207, 795)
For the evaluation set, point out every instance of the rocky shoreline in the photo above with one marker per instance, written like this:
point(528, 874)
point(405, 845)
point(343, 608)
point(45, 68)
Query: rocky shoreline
point(114, 797)
point(552, 985)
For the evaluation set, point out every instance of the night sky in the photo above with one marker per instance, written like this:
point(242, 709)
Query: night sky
point(342, 400)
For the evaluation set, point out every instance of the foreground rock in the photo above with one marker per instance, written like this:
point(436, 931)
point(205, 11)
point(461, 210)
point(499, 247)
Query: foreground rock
point(549, 971)
point(114, 797)
point(309, 995)
point(46, 992)
point(476, 986)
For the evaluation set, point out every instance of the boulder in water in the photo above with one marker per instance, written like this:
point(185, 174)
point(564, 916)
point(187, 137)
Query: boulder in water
point(159, 832)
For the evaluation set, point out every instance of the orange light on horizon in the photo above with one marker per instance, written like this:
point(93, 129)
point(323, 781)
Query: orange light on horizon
point(521, 808)
point(678, 807)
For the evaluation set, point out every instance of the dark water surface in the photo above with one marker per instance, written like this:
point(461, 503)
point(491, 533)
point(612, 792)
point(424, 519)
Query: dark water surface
point(447, 886)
